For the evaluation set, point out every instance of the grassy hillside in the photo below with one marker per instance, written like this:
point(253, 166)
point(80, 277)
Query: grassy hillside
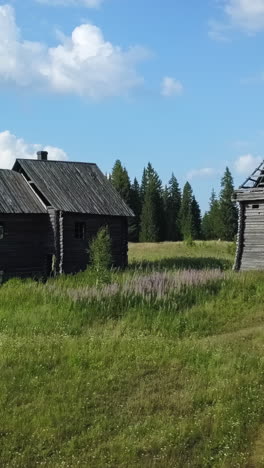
point(162, 367)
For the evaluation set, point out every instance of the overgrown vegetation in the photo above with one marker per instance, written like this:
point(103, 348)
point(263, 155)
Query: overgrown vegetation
point(100, 255)
point(161, 367)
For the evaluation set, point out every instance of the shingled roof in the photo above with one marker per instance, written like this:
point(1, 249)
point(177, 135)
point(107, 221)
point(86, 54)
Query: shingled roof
point(16, 196)
point(74, 187)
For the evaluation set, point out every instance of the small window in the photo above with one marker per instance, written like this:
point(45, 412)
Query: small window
point(80, 230)
point(255, 207)
point(1, 231)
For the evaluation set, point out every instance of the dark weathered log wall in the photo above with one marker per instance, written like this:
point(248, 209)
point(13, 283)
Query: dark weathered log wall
point(30, 242)
point(240, 237)
point(75, 251)
point(253, 237)
point(27, 242)
point(54, 237)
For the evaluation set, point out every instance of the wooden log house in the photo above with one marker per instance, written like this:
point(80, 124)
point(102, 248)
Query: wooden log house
point(50, 210)
point(250, 239)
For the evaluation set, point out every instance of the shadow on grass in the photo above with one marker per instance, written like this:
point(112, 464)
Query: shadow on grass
point(181, 263)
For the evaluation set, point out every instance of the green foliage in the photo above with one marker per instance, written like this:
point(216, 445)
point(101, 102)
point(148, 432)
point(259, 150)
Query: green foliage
point(136, 206)
point(149, 217)
point(100, 254)
point(152, 215)
point(228, 210)
point(232, 246)
point(162, 214)
point(121, 181)
point(143, 187)
point(221, 219)
point(119, 381)
point(190, 214)
point(172, 203)
point(197, 219)
point(131, 195)
point(189, 241)
point(186, 212)
point(211, 223)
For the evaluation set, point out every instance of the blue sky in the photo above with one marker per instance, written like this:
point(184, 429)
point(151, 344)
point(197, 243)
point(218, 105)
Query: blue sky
point(175, 82)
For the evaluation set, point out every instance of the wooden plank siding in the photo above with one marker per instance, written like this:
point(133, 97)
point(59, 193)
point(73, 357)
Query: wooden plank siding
point(252, 195)
point(27, 241)
point(252, 257)
point(75, 251)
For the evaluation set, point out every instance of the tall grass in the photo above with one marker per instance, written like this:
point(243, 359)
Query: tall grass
point(159, 368)
point(178, 255)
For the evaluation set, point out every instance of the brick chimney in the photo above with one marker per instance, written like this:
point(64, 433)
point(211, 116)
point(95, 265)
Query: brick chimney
point(42, 155)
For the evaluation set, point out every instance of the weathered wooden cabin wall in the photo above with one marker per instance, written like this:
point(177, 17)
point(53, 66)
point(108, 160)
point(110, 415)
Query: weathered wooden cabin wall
point(252, 239)
point(27, 241)
point(30, 239)
point(40, 203)
point(75, 251)
point(54, 237)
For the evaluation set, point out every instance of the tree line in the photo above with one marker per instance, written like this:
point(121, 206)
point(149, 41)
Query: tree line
point(167, 213)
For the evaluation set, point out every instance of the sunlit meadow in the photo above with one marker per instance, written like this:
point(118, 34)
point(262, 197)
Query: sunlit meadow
point(160, 366)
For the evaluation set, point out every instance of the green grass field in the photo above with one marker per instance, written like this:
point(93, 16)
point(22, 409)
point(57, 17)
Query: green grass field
point(162, 367)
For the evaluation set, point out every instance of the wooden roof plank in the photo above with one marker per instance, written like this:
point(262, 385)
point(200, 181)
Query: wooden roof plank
point(16, 196)
point(75, 187)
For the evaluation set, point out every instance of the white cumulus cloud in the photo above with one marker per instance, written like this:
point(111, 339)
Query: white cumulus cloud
point(83, 63)
point(83, 3)
point(171, 87)
point(12, 148)
point(204, 172)
point(246, 164)
point(245, 15)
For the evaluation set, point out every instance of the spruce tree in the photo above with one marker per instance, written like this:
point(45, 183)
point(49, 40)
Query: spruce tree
point(215, 215)
point(190, 215)
point(149, 216)
point(206, 226)
point(131, 195)
point(120, 180)
point(211, 221)
point(197, 219)
point(186, 212)
point(172, 209)
point(136, 206)
point(165, 196)
point(227, 209)
point(143, 186)
point(152, 216)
